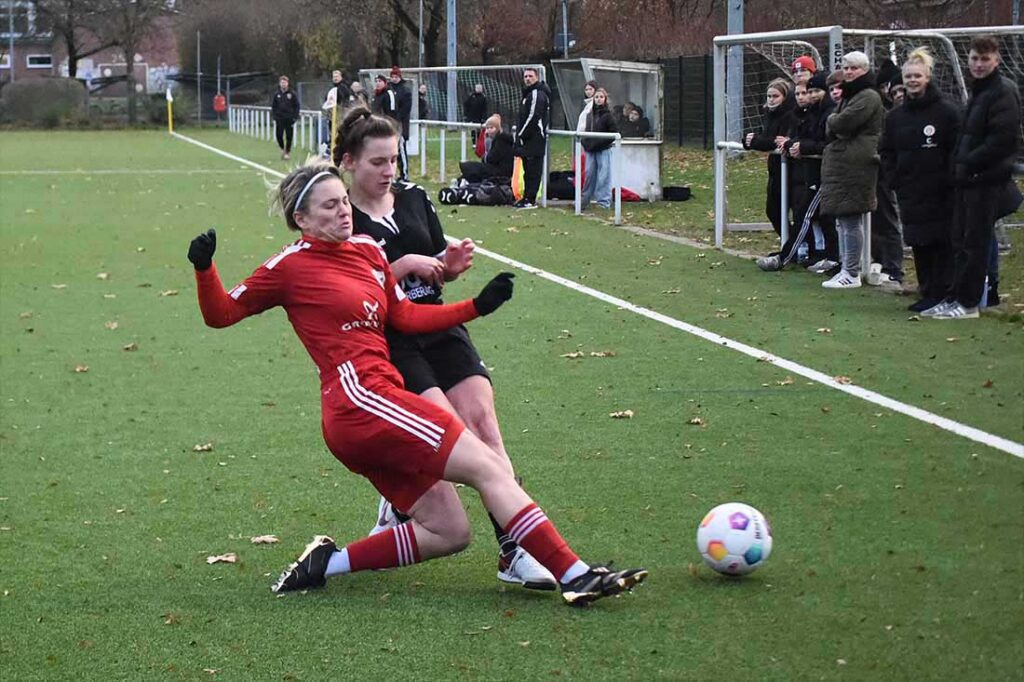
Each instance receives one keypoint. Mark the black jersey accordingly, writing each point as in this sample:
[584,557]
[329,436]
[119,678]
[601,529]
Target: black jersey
[412,227]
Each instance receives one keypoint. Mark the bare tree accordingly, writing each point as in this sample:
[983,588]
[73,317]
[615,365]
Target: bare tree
[75,21]
[125,24]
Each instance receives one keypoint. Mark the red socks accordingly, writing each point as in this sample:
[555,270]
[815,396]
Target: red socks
[532,531]
[394,547]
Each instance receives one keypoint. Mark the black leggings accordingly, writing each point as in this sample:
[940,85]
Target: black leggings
[285,132]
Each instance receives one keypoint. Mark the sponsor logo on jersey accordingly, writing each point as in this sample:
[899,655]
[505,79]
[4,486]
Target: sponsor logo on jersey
[379,276]
[372,320]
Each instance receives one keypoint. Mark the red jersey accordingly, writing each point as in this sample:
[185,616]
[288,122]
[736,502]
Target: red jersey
[339,297]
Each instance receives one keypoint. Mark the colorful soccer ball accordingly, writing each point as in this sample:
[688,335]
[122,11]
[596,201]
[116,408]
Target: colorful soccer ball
[734,538]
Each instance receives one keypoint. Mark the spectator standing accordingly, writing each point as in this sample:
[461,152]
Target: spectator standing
[776,120]
[476,105]
[424,106]
[886,231]
[588,103]
[403,101]
[284,106]
[802,69]
[332,99]
[983,166]
[359,97]
[917,151]
[849,167]
[531,134]
[598,179]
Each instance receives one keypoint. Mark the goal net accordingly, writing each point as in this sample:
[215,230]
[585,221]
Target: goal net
[746,64]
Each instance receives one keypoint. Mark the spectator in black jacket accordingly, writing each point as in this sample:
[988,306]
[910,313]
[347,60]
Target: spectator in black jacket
[635,124]
[813,234]
[886,228]
[917,151]
[776,121]
[597,182]
[423,104]
[532,134]
[496,162]
[403,100]
[284,106]
[475,106]
[983,165]
[385,102]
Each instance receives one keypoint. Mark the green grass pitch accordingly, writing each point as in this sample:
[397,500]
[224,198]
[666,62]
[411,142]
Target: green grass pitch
[898,546]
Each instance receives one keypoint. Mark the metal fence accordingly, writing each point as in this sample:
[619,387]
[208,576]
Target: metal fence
[688,114]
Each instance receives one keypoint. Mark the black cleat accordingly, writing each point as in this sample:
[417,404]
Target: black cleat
[309,569]
[600,581]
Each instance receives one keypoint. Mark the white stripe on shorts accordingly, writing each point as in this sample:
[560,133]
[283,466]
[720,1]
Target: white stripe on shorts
[426,431]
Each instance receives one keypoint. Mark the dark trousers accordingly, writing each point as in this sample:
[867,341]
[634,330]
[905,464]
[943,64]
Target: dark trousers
[773,203]
[806,211]
[478,171]
[533,168]
[886,235]
[285,133]
[973,227]
[934,265]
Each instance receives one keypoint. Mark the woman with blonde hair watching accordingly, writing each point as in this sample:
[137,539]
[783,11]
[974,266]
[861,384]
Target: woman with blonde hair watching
[917,150]
[777,119]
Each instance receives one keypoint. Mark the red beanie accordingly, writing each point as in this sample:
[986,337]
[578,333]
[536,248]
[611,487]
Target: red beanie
[395,71]
[804,62]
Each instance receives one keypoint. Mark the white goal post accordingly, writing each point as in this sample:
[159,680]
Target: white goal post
[744,64]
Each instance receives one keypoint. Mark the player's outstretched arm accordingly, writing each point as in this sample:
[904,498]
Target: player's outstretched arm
[411,318]
[219,309]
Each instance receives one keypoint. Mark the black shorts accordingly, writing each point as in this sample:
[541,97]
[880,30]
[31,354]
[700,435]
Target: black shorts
[441,360]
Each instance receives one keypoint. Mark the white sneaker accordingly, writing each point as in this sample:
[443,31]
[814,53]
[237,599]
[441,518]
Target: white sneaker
[769,263]
[523,569]
[936,309]
[957,311]
[843,280]
[890,284]
[822,266]
[386,517]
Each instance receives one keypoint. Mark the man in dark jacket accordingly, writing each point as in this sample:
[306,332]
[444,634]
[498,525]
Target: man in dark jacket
[886,229]
[475,106]
[403,101]
[983,166]
[284,106]
[531,134]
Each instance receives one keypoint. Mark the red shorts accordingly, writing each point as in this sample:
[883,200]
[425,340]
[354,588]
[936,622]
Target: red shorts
[396,439]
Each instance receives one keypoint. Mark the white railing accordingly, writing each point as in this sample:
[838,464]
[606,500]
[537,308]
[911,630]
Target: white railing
[722,149]
[258,122]
[463,128]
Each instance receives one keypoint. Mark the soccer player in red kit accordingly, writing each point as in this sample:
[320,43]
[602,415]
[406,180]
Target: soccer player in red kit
[339,294]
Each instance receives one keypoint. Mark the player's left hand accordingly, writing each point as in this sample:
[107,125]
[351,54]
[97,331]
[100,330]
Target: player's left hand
[458,258]
[202,248]
[496,292]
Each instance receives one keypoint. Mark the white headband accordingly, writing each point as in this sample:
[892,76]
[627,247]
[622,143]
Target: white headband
[312,181]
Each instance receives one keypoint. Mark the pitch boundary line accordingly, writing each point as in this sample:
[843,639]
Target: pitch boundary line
[971,433]
[123,171]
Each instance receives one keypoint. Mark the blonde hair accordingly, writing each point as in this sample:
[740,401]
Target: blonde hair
[922,56]
[494,121]
[780,84]
[284,197]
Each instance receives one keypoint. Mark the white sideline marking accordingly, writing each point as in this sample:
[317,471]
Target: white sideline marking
[123,171]
[998,442]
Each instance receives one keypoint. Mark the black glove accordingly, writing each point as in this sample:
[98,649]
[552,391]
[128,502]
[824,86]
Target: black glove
[496,292]
[200,251]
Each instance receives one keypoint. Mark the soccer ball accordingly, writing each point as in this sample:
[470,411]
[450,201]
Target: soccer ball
[734,538]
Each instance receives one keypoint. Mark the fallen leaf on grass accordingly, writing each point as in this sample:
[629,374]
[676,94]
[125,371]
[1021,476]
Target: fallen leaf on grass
[671,291]
[525,643]
[697,421]
[202,447]
[842,380]
[131,347]
[81,369]
[785,382]
[170,618]
[24,316]
[59,286]
[228,558]
[111,325]
[824,330]
[691,568]
[952,339]
[574,354]
[264,539]
[513,229]
[212,671]
[169,292]
[825,409]
[565,334]
[602,354]
[988,383]
[109,295]
[914,318]
[103,275]
[655,261]
[623,414]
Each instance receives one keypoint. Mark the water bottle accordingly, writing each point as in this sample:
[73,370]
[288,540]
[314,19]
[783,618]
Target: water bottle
[802,252]
[650,192]
[984,295]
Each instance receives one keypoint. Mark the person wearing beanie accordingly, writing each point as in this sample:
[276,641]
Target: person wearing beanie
[817,82]
[403,114]
[384,101]
[802,69]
